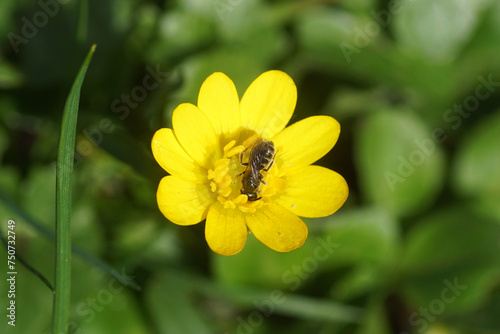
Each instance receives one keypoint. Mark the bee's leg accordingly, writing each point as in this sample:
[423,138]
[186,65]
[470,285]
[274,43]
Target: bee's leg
[241,159]
[242,163]
[269,166]
[272,162]
[261,178]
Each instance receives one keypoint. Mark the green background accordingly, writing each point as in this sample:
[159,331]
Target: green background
[415,87]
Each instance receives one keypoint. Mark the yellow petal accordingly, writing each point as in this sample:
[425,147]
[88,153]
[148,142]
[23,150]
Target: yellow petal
[268,104]
[225,230]
[182,202]
[313,191]
[306,141]
[196,135]
[219,100]
[277,228]
[172,157]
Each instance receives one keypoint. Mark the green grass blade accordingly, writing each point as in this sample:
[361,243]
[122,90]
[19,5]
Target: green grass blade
[65,158]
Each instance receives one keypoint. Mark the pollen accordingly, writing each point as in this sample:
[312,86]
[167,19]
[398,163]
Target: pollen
[227,173]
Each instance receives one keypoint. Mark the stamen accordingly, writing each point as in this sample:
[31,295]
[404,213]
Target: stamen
[229,205]
[225,182]
[241,199]
[247,209]
[249,141]
[229,145]
[225,192]
[221,168]
[235,150]
[221,163]
[221,199]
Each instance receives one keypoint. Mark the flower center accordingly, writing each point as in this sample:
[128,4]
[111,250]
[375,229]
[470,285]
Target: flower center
[228,173]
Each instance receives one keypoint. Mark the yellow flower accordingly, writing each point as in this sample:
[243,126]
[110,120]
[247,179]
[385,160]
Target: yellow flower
[202,155]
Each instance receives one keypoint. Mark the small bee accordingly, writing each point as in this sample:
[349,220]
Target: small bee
[261,158]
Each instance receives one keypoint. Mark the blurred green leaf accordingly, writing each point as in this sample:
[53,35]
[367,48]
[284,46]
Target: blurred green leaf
[236,22]
[180,33]
[9,181]
[238,64]
[85,228]
[269,301]
[83,22]
[41,180]
[111,311]
[476,167]
[124,12]
[146,241]
[147,17]
[436,30]
[451,258]
[171,310]
[359,5]
[4,141]
[363,279]
[486,206]
[103,303]
[400,165]
[125,148]
[257,265]
[206,8]
[12,208]
[357,47]
[375,321]
[337,40]
[362,235]
[367,235]
[483,52]
[347,102]
[232,18]
[9,76]
[7,8]
[484,319]
[316,309]
[31,297]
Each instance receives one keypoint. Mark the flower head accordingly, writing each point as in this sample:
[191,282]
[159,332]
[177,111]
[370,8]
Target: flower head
[235,164]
